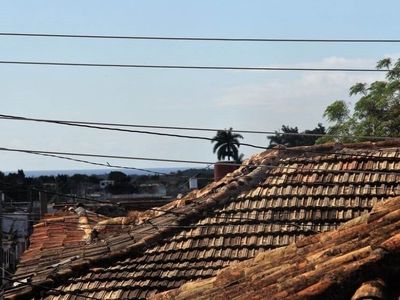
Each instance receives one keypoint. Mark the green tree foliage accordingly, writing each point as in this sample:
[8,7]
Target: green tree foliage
[122,184]
[375,113]
[118,176]
[227,145]
[14,185]
[290,138]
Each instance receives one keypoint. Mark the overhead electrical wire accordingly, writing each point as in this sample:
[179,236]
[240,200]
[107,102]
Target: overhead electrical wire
[287,166]
[35,152]
[61,155]
[104,156]
[55,155]
[81,124]
[227,218]
[258,220]
[51,290]
[103,164]
[75,197]
[108,165]
[180,213]
[263,132]
[250,221]
[377,188]
[193,38]
[219,217]
[187,67]
[95,125]
[71,196]
[292,183]
[21,188]
[51,154]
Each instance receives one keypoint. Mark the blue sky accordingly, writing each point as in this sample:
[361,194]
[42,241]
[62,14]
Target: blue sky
[223,99]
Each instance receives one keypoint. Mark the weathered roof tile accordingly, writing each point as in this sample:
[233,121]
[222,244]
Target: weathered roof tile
[289,196]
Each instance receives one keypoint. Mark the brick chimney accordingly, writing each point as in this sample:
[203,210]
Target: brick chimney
[222,168]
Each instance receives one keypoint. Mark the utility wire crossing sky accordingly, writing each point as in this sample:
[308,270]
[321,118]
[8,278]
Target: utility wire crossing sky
[226,68]
[214,130]
[204,39]
[133,63]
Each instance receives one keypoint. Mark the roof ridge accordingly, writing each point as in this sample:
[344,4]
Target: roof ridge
[340,146]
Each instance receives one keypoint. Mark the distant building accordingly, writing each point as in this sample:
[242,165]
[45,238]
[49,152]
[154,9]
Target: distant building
[16,226]
[193,183]
[16,230]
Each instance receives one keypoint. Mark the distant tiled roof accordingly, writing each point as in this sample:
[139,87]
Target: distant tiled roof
[56,233]
[275,198]
[359,260]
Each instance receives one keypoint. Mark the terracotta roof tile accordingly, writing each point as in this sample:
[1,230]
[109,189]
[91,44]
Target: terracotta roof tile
[330,265]
[54,233]
[276,198]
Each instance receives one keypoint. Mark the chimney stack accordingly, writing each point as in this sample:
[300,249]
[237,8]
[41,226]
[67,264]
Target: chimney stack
[223,168]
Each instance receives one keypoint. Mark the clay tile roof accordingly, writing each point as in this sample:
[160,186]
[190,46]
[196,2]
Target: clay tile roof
[55,233]
[274,199]
[359,260]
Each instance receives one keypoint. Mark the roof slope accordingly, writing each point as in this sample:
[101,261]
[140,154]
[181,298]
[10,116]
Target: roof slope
[330,265]
[277,197]
[56,233]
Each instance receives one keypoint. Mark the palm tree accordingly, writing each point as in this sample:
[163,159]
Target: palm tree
[227,144]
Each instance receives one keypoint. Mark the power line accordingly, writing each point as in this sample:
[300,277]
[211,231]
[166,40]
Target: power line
[55,193]
[213,163]
[191,38]
[251,221]
[108,165]
[57,292]
[89,125]
[189,67]
[102,164]
[107,156]
[264,132]
[75,197]
[352,187]
[217,217]
[81,124]
[55,154]
[281,214]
